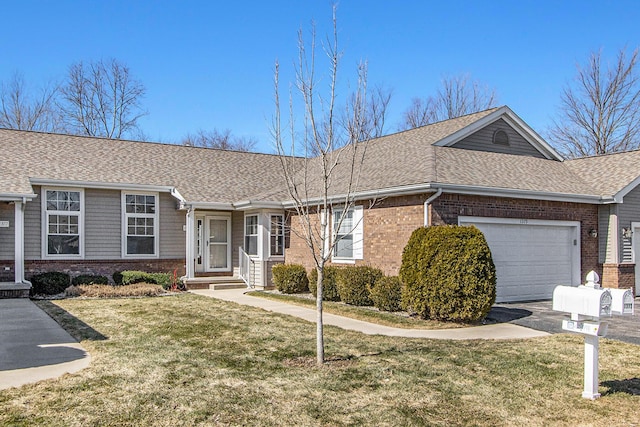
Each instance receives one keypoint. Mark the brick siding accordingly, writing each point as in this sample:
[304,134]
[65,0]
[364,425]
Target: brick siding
[619,276]
[390,222]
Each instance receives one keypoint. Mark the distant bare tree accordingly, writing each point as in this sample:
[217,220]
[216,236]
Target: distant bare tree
[101,98]
[600,112]
[374,116]
[223,140]
[22,110]
[458,96]
[323,180]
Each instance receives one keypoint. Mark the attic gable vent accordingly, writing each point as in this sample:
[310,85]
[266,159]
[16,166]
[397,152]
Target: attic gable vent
[500,137]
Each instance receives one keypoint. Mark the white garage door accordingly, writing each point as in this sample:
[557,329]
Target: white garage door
[531,257]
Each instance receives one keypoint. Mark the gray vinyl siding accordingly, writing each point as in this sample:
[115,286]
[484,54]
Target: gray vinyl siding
[482,140]
[172,228]
[628,212]
[237,237]
[102,224]
[32,227]
[7,235]
[605,228]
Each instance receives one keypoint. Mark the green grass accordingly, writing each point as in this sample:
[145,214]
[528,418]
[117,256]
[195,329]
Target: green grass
[190,360]
[368,314]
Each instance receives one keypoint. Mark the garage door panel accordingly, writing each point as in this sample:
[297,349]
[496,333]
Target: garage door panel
[530,259]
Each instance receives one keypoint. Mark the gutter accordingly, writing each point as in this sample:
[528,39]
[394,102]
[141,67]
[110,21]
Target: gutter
[427,203]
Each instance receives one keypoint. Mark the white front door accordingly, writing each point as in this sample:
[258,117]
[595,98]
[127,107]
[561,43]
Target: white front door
[217,248]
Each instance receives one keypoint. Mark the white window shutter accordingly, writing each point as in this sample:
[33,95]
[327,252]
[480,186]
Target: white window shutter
[358,232]
[326,245]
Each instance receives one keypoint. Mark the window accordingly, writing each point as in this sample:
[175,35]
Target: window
[63,223]
[140,224]
[251,234]
[276,236]
[348,234]
[500,137]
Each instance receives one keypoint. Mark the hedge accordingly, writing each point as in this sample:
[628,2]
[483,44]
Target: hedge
[448,274]
[290,278]
[89,279]
[386,293]
[131,276]
[50,283]
[353,283]
[329,289]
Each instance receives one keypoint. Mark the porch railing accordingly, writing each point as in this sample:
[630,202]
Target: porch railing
[247,269]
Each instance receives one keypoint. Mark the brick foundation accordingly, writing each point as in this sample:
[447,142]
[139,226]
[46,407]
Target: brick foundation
[621,276]
[102,267]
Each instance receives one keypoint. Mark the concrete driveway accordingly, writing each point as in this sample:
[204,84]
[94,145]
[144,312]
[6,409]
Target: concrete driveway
[33,347]
[539,315]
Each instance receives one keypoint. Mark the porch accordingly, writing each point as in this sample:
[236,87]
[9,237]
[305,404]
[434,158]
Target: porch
[232,249]
[14,290]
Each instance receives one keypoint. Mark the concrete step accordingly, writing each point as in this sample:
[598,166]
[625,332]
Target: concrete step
[14,290]
[216,283]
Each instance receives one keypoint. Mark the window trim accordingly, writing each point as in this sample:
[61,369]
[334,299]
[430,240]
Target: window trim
[156,223]
[45,223]
[357,231]
[282,233]
[257,235]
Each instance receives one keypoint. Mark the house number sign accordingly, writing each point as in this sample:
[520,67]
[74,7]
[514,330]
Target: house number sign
[4,224]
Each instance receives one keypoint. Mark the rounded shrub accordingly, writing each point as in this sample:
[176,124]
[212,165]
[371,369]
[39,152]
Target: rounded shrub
[89,279]
[386,293]
[448,274]
[329,289]
[290,278]
[50,283]
[353,283]
[117,277]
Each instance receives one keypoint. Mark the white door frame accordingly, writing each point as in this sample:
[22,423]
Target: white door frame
[207,244]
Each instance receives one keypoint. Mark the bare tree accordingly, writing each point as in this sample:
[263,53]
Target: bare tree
[222,140]
[600,112]
[374,116]
[318,184]
[22,110]
[458,95]
[101,98]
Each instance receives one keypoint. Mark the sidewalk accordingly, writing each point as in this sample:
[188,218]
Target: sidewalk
[33,347]
[498,331]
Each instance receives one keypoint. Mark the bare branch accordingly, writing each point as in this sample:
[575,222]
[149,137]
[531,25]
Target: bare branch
[101,99]
[600,111]
[22,110]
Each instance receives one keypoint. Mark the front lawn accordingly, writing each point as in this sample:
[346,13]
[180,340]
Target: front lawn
[191,360]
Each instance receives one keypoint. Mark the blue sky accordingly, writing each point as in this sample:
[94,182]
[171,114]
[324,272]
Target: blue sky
[209,64]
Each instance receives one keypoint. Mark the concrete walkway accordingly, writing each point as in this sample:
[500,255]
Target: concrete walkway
[496,332]
[33,347]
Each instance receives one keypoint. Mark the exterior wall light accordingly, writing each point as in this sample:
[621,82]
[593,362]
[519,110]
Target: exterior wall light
[593,233]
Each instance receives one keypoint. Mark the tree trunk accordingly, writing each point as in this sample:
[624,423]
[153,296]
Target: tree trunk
[319,324]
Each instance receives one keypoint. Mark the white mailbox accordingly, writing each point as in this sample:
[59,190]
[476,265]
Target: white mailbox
[582,301]
[622,301]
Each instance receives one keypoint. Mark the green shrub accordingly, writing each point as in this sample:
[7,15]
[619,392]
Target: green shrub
[353,283]
[386,293]
[131,276]
[50,283]
[117,277]
[290,278]
[89,279]
[448,274]
[329,289]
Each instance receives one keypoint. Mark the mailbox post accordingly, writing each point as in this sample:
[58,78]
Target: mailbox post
[587,304]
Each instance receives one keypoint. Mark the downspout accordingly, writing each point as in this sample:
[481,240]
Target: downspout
[427,203]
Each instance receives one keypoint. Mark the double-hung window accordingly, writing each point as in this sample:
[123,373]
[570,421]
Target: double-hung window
[276,236]
[347,232]
[62,217]
[140,220]
[251,234]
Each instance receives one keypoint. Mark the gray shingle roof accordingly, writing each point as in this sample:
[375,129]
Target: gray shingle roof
[199,174]
[403,159]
